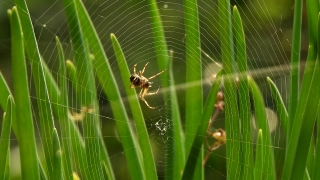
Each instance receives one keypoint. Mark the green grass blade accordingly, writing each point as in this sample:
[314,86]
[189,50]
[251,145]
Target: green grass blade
[258,167]
[300,137]
[5,139]
[87,91]
[63,115]
[312,7]
[316,167]
[262,121]
[176,142]
[295,66]
[27,144]
[281,108]
[57,151]
[143,136]
[244,99]
[43,101]
[192,158]
[5,92]
[231,109]
[194,99]
[109,85]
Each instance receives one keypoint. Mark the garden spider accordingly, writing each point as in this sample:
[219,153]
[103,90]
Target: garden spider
[137,80]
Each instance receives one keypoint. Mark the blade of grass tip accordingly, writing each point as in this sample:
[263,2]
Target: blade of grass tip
[244,99]
[87,89]
[177,151]
[5,92]
[43,101]
[295,66]
[57,162]
[302,129]
[27,144]
[258,167]
[194,99]
[262,121]
[281,108]
[143,136]
[316,167]
[110,87]
[5,138]
[63,115]
[232,121]
[196,148]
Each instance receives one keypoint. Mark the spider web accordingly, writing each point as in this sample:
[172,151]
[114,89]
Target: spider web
[268,32]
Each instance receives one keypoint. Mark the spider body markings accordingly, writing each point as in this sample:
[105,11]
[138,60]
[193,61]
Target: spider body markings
[138,80]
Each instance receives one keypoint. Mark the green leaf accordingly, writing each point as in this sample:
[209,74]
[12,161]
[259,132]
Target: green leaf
[57,162]
[258,167]
[316,167]
[244,99]
[26,138]
[300,137]
[295,66]
[232,120]
[281,108]
[262,121]
[194,99]
[5,139]
[110,87]
[143,136]
[193,156]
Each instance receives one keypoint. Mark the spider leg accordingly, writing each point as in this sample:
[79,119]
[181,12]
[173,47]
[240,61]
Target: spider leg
[134,68]
[140,94]
[144,68]
[153,92]
[156,74]
[142,97]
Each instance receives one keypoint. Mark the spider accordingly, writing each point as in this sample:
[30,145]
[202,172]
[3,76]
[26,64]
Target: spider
[137,80]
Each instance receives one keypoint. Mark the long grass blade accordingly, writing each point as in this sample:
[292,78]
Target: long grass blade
[196,148]
[269,171]
[300,137]
[194,99]
[316,167]
[258,167]
[26,138]
[109,85]
[231,110]
[295,66]
[143,136]
[244,99]
[57,160]
[5,139]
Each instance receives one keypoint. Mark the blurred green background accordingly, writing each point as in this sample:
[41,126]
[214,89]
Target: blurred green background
[268,29]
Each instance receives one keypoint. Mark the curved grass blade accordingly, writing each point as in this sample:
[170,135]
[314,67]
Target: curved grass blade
[26,138]
[300,137]
[109,85]
[5,139]
[316,167]
[281,108]
[312,7]
[193,156]
[194,99]
[57,151]
[5,92]
[262,121]
[258,167]
[244,99]
[143,136]
[295,66]
[232,121]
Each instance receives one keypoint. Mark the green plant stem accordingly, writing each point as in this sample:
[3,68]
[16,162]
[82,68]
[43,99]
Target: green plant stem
[27,144]
[258,168]
[295,66]
[5,139]
[231,110]
[57,163]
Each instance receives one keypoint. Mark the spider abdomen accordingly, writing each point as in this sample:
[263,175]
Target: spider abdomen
[135,80]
